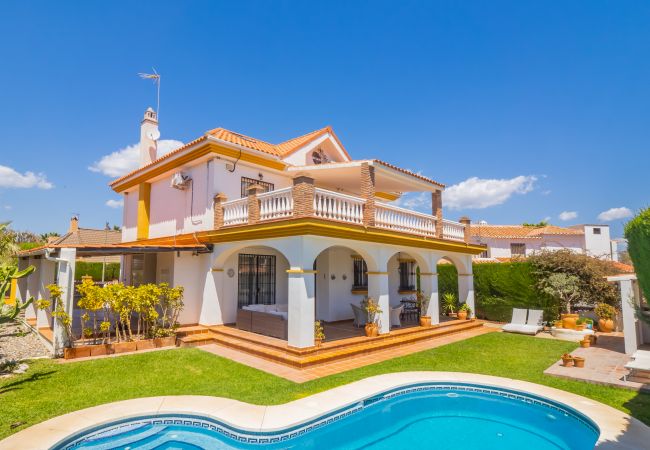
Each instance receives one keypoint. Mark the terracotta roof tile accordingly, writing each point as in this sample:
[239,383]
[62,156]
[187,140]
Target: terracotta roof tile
[520,231]
[89,236]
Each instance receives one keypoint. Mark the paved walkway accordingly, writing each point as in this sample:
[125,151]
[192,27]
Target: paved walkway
[604,364]
[330,368]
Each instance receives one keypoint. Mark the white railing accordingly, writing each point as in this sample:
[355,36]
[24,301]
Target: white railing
[400,219]
[453,230]
[235,212]
[276,204]
[336,206]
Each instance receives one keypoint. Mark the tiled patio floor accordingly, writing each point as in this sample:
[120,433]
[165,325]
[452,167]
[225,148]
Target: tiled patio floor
[604,364]
[322,370]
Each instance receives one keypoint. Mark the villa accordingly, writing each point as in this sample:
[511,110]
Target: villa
[272,237]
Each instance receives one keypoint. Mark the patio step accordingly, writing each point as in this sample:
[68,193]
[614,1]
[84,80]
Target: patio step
[640,376]
[277,350]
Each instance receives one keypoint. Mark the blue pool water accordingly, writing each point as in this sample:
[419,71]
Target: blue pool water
[443,416]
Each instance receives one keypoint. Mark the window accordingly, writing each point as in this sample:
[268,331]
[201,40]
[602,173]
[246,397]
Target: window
[319,157]
[407,275]
[596,230]
[360,274]
[248,182]
[256,280]
[483,254]
[518,249]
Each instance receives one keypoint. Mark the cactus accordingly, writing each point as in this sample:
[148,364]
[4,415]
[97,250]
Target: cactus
[7,274]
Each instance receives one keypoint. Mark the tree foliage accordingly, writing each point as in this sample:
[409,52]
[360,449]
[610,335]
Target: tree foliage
[637,233]
[564,287]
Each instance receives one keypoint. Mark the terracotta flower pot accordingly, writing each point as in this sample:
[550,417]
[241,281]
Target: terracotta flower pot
[606,325]
[585,343]
[558,324]
[569,321]
[101,349]
[372,330]
[145,344]
[567,361]
[580,326]
[124,347]
[578,361]
[76,352]
[425,321]
[168,341]
[462,315]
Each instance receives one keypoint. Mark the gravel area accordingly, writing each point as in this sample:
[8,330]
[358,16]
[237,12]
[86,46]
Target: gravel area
[18,342]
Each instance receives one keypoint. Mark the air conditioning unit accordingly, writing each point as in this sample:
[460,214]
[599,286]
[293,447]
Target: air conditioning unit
[180,181]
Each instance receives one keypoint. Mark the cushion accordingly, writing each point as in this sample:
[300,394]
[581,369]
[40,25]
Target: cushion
[260,308]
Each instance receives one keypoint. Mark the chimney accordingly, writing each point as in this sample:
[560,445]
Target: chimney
[149,135]
[74,224]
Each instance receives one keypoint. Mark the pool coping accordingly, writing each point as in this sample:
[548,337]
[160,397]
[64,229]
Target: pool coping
[617,429]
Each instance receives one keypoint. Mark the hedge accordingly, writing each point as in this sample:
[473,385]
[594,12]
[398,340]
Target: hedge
[94,269]
[637,233]
[499,287]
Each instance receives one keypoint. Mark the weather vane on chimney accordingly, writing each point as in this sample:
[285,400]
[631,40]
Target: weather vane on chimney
[155,77]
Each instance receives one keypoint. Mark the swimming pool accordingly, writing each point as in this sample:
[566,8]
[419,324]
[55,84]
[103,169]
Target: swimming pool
[444,416]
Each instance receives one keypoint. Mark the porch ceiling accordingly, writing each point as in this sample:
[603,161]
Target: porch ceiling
[84,251]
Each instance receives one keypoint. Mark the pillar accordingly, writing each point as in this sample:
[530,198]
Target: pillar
[302,309]
[254,203]
[32,289]
[65,275]
[466,290]
[628,310]
[436,211]
[368,193]
[303,197]
[22,292]
[378,291]
[468,232]
[144,207]
[218,201]
[429,286]
[212,297]
[45,274]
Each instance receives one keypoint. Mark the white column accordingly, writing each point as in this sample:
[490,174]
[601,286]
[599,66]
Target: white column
[466,290]
[302,312]
[65,276]
[31,288]
[378,290]
[429,285]
[45,274]
[628,301]
[212,298]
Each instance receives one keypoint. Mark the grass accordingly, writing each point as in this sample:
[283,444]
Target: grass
[49,388]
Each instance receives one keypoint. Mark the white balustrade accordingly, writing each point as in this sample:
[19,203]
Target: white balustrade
[400,219]
[336,206]
[235,212]
[276,204]
[453,230]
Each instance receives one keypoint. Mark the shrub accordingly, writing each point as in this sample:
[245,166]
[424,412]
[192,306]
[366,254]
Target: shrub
[605,311]
[565,288]
[637,233]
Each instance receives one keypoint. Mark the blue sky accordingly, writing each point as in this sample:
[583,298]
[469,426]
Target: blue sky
[525,109]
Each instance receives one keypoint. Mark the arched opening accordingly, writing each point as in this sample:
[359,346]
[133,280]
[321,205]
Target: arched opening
[255,290]
[453,286]
[341,283]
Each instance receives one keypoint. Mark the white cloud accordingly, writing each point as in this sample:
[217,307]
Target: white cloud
[546,219]
[615,214]
[9,178]
[481,193]
[126,159]
[568,215]
[115,203]
[7,207]
[416,201]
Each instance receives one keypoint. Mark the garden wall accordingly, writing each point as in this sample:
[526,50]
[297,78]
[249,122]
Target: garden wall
[499,287]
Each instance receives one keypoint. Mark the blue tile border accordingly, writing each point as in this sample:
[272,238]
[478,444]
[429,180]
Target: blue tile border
[253,437]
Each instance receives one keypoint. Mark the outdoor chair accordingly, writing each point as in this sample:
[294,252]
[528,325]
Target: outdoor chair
[360,316]
[639,366]
[395,314]
[519,324]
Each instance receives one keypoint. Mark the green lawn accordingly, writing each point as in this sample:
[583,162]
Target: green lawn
[50,389]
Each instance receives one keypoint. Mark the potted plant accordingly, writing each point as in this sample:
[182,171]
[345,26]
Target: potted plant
[373,310]
[586,342]
[578,361]
[567,360]
[464,311]
[449,304]
[319,333]
[581,324]
[423,305]
[557,324]
[606,314]
[566,289]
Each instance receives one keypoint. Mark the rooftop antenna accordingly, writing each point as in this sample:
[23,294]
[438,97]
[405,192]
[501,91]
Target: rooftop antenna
[155,77]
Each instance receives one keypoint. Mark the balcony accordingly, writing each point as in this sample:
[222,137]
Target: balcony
[304,200]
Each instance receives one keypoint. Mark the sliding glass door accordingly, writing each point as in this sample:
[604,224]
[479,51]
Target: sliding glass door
[256,280]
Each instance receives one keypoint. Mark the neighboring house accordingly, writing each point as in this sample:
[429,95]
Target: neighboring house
[78,237]
[297,229]
[511,241]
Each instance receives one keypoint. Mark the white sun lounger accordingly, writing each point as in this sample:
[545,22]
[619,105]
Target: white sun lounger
[639,365]
[519,323]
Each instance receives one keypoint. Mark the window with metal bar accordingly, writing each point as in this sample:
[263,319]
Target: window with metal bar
[248,182]
[407,274]
[360,273]
[256,280]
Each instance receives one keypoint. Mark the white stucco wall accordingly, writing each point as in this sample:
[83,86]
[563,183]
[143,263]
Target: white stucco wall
[303,156]
[500,248]
[598,245]
[191,272]
[130,216]
[229,183]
